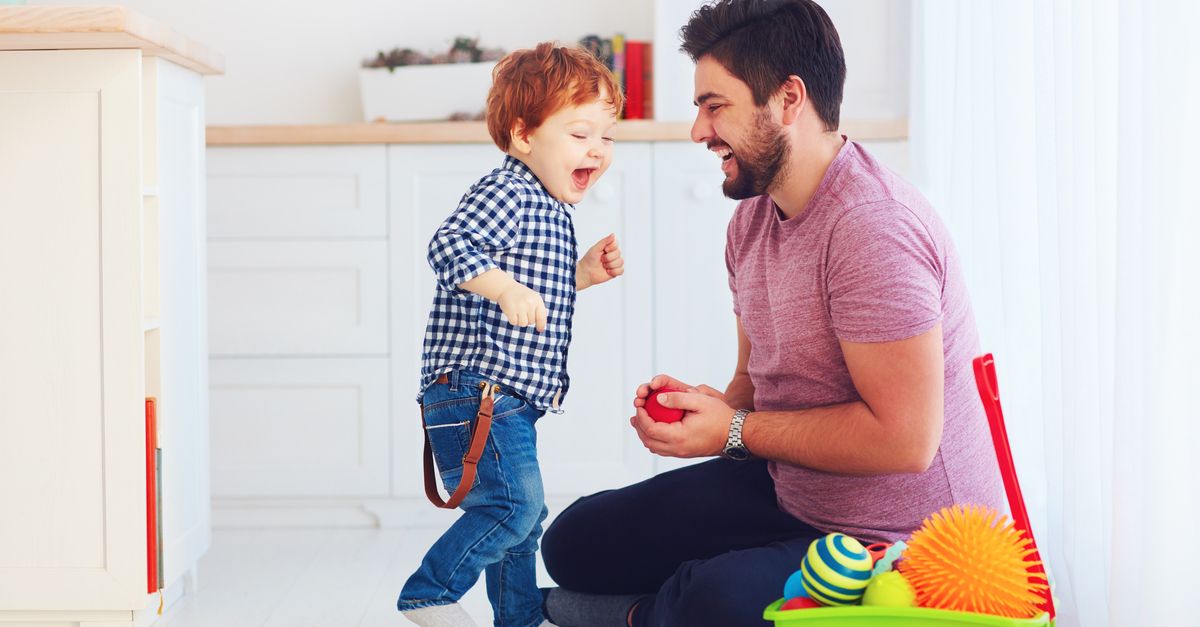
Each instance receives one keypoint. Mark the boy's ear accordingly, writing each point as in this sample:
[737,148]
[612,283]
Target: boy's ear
[520,139]
[793,96]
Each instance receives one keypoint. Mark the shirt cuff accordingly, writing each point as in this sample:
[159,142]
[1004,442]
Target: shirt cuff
[465,267]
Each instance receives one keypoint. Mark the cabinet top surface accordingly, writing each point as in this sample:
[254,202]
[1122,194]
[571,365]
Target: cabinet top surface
[476,132]
[103,27]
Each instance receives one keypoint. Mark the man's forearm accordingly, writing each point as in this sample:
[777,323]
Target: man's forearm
[846,438]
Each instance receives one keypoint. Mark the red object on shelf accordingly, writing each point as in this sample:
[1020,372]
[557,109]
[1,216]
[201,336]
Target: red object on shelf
[634,80]
[989,392]
[660,413]
[151,496]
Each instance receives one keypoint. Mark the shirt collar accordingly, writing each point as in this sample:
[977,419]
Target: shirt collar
[513,164]
[518,167]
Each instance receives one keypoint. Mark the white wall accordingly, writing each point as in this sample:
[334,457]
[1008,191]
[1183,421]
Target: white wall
[875,40]
[296,62]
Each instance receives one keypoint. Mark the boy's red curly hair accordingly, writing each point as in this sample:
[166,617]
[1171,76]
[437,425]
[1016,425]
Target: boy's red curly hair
[531,85]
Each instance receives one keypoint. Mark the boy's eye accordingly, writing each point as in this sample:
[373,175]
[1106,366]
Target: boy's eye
[578,136]
[607,139]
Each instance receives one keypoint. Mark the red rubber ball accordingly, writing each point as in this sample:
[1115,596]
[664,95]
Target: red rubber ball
[660,413]
[799,603]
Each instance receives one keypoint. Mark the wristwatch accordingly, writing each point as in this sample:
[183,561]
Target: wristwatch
[734,448]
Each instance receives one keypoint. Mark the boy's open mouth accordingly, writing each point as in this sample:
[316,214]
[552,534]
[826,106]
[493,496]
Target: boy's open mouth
[581,177]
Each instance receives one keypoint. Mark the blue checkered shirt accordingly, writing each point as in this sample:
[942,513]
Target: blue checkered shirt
[506,220]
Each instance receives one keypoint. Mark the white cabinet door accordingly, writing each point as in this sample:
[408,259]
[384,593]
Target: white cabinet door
[289,192]
[299,427]
[695,331]
[590,447]
[298,298]
[177,114]
[72,444]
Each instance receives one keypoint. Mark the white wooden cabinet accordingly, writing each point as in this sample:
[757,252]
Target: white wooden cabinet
[102,298]
[308,428]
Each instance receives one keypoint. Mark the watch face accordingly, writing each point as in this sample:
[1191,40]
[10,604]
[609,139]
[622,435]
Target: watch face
[737,453]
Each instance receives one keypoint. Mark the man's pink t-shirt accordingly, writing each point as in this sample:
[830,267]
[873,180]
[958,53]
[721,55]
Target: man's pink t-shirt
[867,261]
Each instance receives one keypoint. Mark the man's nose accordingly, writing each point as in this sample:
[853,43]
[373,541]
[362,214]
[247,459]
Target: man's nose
[701,129]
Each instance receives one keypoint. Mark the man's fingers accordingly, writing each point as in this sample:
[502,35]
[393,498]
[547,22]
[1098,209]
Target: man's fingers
[709,391]
[687,401]
[664,381]
[654,435]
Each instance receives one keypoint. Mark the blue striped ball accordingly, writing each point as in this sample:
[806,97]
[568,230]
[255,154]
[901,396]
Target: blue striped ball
[836,570]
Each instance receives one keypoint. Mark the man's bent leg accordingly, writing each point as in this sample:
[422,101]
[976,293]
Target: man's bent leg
[632,540]
[724,591]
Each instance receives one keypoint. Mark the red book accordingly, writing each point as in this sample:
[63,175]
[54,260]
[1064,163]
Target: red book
[634,80]
[648,81]
[151,495]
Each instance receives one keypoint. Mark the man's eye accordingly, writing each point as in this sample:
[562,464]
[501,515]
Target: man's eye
[712,108]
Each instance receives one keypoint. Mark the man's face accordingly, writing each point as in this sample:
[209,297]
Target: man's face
[751,145]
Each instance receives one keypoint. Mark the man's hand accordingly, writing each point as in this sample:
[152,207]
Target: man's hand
[523,307]
[703,430]
[602,262]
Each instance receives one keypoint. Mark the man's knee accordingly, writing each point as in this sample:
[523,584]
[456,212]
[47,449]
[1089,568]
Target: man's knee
[565,545]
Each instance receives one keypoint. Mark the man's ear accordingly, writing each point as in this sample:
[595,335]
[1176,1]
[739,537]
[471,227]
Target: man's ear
[793,98]
[519,138]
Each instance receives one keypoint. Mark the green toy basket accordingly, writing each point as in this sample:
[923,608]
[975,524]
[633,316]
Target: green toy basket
[862,616]
[877,616]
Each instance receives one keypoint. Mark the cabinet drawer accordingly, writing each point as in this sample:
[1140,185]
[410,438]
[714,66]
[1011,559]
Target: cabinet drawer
[297,298]
[297,192]
[299,427]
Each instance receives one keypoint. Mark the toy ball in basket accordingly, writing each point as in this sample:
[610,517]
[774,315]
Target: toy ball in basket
[964,566]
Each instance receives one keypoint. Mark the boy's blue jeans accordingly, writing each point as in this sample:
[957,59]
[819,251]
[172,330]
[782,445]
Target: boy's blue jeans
[502,515]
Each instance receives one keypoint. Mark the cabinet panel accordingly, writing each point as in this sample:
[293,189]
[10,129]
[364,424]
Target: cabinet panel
[299,427]
[591,447]
[178,135]
[297,192]
[72,470]
[298,298]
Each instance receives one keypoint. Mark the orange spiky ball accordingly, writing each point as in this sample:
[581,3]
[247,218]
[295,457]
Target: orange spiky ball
[972,559]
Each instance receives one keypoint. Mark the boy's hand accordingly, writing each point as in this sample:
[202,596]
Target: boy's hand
[602,262]
[522,306]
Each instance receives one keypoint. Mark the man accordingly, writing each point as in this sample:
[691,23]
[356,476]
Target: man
[852,406]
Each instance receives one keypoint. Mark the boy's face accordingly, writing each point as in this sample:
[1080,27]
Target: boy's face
[749,141]
[571,149]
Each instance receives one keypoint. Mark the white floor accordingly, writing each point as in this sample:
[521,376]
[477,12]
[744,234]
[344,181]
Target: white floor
[303,577]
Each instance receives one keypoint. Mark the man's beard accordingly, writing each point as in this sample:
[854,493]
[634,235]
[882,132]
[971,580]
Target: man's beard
[764,160]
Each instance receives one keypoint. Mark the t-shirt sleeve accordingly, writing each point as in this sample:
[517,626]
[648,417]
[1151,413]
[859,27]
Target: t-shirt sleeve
[885,275]
[486,224]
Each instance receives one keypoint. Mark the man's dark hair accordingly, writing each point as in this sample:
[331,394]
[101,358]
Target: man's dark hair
[762,42]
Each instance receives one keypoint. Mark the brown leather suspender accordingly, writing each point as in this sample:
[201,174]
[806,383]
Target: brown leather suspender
[483,425]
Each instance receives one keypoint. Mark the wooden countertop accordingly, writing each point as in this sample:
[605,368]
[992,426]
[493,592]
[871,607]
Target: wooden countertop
[91,27]
[476,133]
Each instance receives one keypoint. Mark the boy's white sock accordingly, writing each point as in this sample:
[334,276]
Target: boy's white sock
[452,615]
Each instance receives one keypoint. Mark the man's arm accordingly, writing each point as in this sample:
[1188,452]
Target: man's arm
[740,391]
[896,427]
